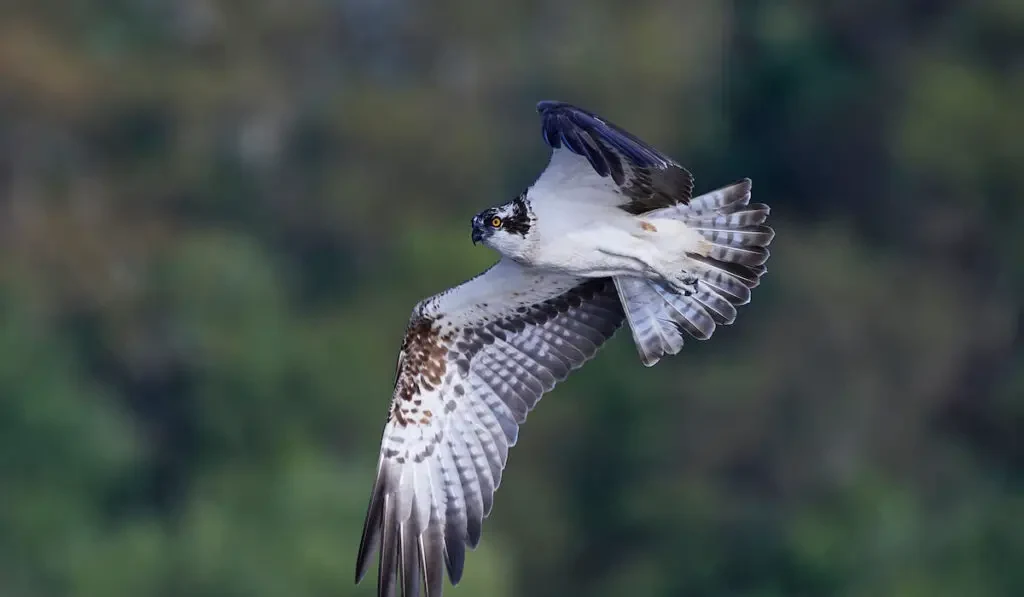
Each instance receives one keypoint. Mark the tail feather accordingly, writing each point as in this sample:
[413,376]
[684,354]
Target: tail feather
[738,240]
[650,319]
[746,256]
[719,200]
[719,307]
[757,235]
[750,216]
[661,318]
[726,283]
[687,312]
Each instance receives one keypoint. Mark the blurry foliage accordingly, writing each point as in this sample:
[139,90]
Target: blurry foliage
[216,215]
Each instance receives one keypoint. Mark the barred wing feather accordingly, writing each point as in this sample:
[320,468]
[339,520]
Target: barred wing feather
[474,362]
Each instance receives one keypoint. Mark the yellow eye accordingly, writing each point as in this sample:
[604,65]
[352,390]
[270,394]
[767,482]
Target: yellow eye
[496,222]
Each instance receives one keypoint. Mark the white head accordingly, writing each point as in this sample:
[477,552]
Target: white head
[505,228]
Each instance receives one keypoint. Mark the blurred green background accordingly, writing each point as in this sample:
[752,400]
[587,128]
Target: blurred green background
[216,215]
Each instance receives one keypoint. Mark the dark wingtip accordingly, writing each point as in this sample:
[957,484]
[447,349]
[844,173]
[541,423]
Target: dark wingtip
[370,540]
[550,105]
[565,123]
[454,554]
[545,105]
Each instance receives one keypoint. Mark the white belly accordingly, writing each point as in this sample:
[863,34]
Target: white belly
[620,245]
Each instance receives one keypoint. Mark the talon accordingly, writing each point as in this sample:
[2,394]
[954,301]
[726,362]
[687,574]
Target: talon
[690,285]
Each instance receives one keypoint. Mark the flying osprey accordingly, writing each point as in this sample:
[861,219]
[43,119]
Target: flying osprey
[608,233]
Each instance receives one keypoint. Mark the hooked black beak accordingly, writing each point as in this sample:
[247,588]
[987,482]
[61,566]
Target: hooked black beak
[478,229]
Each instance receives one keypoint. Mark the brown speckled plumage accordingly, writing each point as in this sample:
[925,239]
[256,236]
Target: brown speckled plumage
[422,359]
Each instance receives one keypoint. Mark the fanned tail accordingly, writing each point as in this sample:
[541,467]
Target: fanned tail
[738,240]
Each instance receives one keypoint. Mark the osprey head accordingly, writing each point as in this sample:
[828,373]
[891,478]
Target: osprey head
[504,228]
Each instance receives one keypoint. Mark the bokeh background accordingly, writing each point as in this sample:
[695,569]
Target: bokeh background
[216,215]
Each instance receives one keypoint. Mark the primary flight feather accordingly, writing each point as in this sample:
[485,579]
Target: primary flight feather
[608,233]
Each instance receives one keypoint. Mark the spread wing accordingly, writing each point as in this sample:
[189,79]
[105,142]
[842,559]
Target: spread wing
[475,360]
[594,160]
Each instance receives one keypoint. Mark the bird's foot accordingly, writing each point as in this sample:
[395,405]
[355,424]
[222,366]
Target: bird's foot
[685,283]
